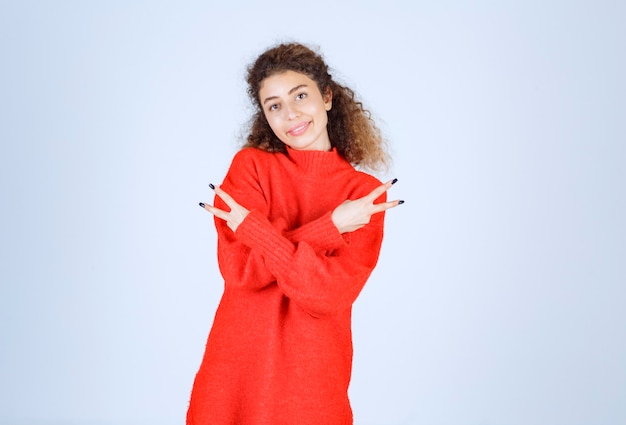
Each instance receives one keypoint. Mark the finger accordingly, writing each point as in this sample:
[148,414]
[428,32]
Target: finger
[216,211]
[384,206]
[225,197]
[374,194]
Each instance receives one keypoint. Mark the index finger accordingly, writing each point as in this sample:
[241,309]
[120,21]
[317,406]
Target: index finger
[225,197]
[374,194]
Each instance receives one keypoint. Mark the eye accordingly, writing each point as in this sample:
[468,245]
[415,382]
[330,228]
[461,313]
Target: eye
[300,96]
[273,107]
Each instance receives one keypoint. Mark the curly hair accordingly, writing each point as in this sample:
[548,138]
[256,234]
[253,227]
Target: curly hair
[351,128]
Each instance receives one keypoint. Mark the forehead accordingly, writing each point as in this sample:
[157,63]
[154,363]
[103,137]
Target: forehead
[281,83]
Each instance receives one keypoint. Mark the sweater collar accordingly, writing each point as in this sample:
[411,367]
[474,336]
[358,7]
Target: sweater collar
[317,162]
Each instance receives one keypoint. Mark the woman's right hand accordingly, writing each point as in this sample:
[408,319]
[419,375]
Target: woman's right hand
[234,217]
[352,215]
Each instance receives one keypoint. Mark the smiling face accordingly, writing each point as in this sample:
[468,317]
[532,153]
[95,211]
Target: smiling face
[296,110]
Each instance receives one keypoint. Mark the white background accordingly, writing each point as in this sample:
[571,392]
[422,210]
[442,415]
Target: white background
[499,296]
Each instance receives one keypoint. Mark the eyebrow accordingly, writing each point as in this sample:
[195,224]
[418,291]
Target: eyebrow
[290,91]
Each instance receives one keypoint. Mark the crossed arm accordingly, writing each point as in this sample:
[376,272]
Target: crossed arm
[313,265]
[351,215]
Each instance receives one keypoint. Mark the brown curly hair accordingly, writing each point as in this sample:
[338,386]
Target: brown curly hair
[350,126]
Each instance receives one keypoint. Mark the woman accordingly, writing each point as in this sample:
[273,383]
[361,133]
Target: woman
[299,232]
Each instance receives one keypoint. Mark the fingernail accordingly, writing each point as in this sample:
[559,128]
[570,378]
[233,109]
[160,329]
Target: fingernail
[394,181]
[400,202]
[211,186]
[201,204]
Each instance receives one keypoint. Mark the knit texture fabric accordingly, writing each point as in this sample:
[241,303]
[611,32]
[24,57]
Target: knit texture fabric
[280,348]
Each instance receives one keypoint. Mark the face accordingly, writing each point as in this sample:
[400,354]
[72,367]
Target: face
[296,110]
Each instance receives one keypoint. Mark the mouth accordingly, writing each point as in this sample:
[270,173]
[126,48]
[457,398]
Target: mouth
[299,128]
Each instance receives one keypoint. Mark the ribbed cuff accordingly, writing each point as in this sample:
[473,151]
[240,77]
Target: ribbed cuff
[320,234]
[257,232]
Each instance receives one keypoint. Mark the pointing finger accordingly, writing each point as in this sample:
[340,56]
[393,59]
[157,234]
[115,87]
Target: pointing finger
[225,196]
[374,194]
[215,211]
[383,206]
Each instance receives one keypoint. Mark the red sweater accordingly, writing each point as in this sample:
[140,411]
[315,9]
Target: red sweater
[280,349]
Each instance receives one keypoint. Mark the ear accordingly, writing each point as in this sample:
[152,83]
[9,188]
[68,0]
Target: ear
[328,99]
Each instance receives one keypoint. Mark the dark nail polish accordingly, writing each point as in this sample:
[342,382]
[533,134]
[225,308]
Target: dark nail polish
[394,181]
[201,204]
[211,186]
[400,202]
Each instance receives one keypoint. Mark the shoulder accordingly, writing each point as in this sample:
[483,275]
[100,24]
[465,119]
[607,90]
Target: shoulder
[253,157]
[365,181]
[368,178]
[249,155]
[361,184]
[251,167]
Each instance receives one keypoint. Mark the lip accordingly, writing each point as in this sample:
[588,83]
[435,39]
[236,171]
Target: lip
[299,128]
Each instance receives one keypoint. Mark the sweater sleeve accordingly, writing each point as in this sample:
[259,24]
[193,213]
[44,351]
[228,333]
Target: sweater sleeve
[320,234]
[245,267]
[320,284]
[240,266]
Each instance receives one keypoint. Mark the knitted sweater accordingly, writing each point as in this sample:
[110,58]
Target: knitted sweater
[280,349]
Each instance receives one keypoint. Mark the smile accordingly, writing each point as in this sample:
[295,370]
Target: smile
[299,128]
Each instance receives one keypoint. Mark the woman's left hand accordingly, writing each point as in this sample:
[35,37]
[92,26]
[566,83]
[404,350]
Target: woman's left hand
[234,217]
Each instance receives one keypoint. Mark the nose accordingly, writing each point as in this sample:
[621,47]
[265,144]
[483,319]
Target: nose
[292,112]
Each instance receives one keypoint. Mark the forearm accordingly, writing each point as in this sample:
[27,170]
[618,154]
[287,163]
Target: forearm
[320,234]
[320,284]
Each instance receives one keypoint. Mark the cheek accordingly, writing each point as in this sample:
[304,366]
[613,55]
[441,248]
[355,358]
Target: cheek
[275,125]
[273,122]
